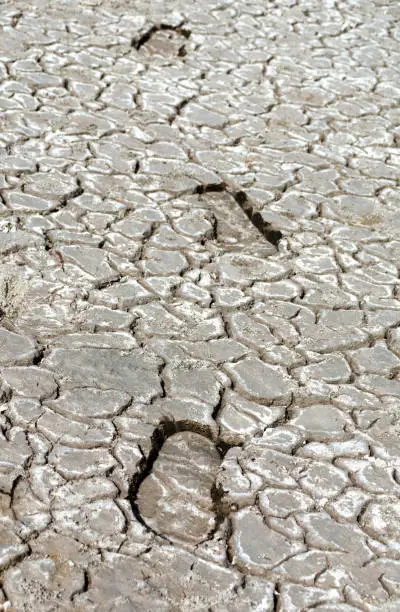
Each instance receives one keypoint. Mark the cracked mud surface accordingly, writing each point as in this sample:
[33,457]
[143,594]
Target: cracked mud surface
[199,306]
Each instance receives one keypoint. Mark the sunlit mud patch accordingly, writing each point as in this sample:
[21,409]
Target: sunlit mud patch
[175,499]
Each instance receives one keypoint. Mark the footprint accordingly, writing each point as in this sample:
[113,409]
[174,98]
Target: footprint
[175,499]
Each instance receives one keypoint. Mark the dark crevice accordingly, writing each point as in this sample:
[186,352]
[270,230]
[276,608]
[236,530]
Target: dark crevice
[48,244]
[221,511]
[218,187]
[180,29]
[85,586]
[276,596]
[182,51]
[63,201]
[178,109]
[267,230]
[39,356]
[224,447]
[144,38]
[15,19]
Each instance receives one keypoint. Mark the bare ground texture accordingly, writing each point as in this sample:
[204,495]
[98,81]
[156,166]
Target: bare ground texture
[199,306]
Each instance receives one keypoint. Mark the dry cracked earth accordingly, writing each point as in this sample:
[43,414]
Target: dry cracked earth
[199,305]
